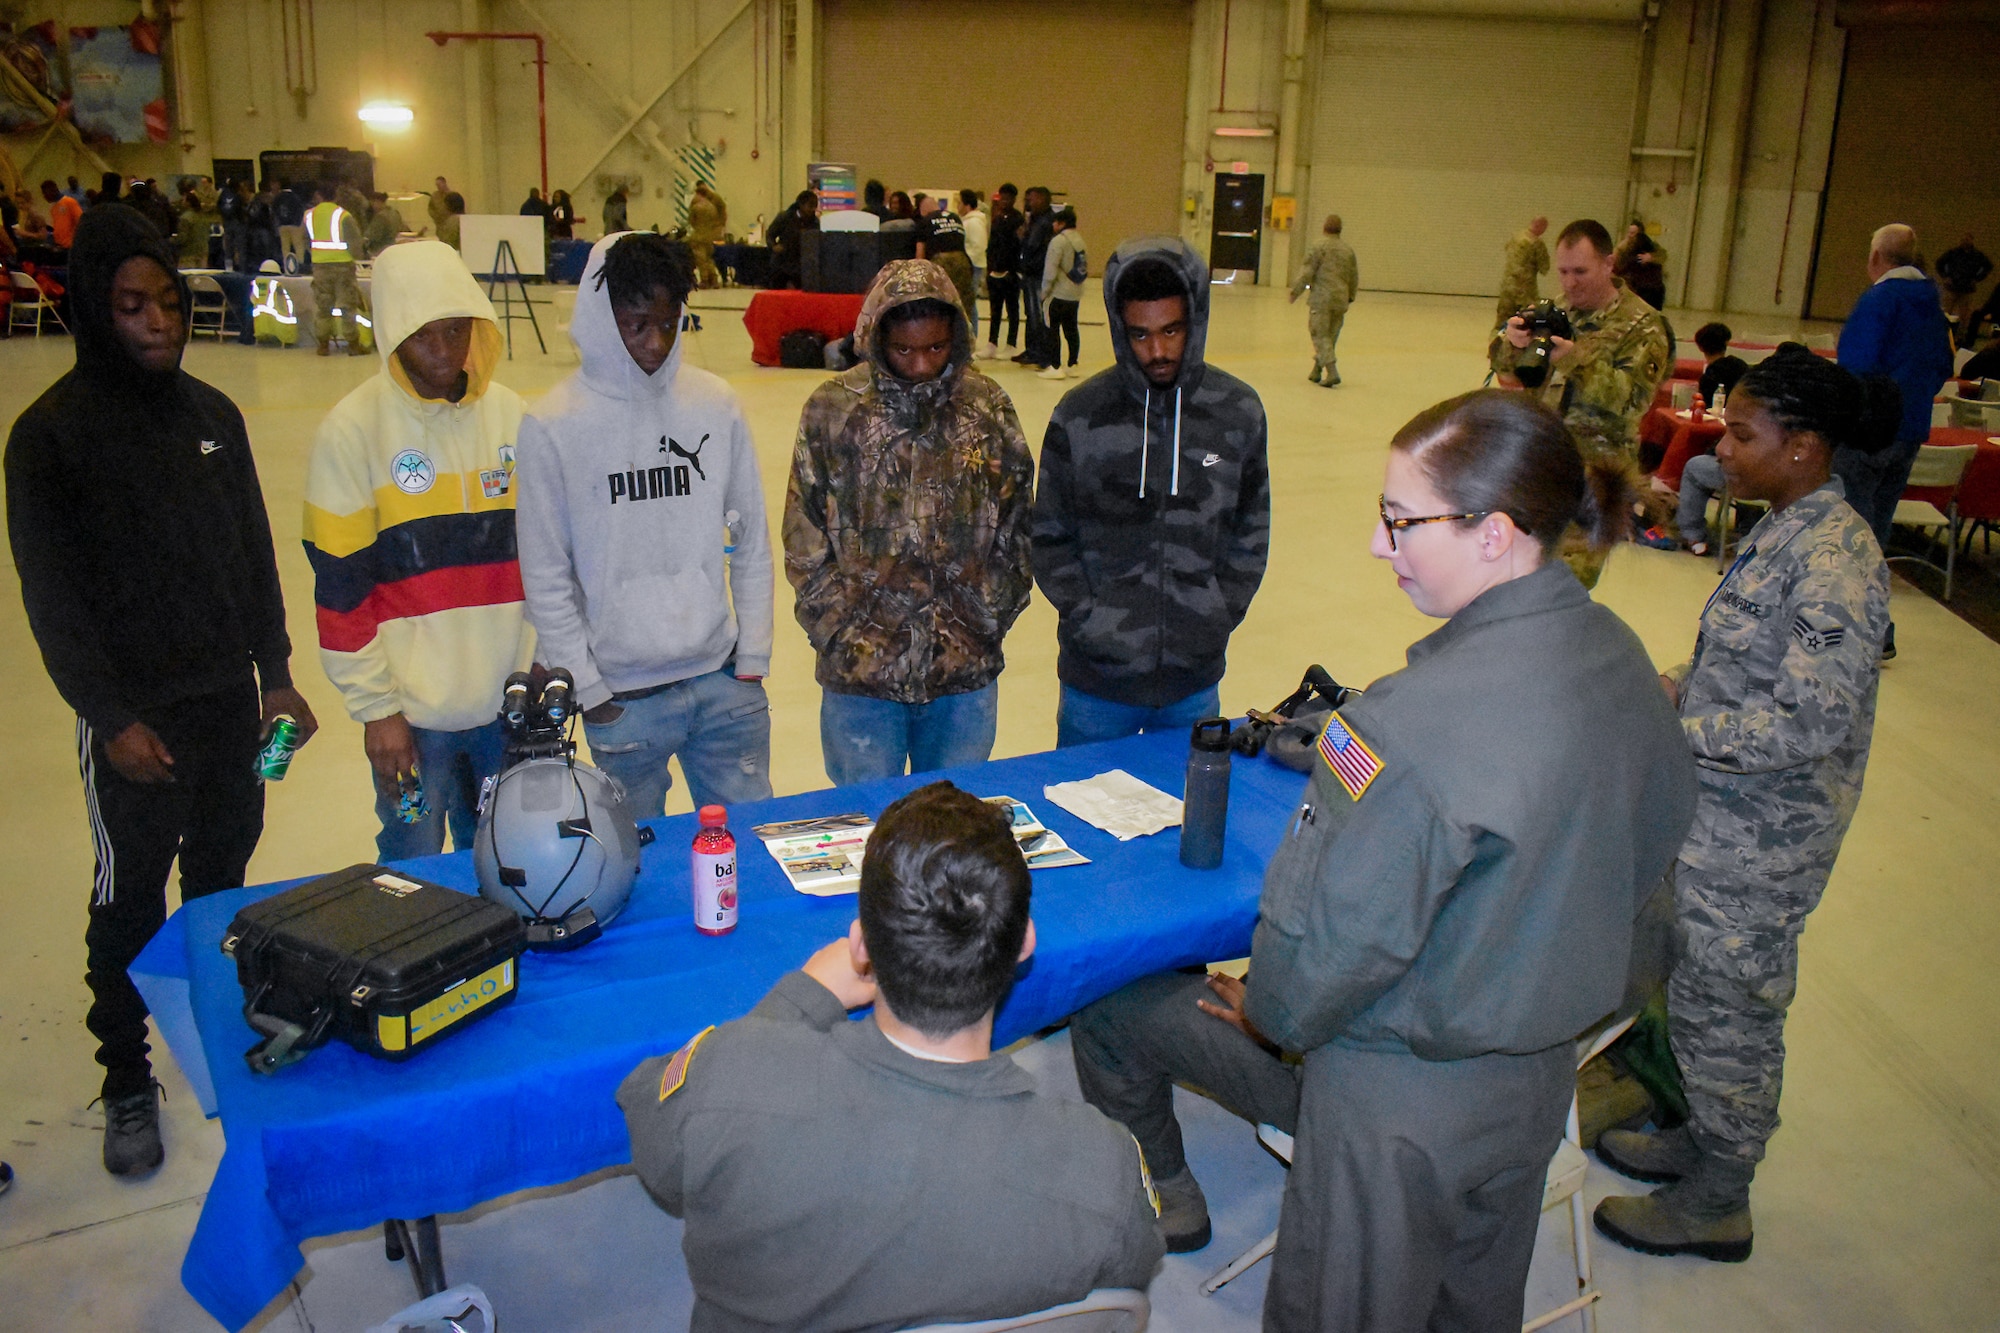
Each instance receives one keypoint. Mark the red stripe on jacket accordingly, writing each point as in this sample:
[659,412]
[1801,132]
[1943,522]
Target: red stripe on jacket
[419,595]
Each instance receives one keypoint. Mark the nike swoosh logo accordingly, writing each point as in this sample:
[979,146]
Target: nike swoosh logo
[209,446]
[1211,460]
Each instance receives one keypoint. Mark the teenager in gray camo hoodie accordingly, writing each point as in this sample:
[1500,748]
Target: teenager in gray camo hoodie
[1153,511]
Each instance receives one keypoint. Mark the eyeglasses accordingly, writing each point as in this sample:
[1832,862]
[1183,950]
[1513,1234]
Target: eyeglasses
[1395,525]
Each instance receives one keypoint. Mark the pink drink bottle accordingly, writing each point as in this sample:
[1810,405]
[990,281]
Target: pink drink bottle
[714,873]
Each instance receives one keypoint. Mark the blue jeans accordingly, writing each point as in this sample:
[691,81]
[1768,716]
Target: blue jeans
[861,739]
[719,726]
[452,765]
[1082,718]
[1700,479]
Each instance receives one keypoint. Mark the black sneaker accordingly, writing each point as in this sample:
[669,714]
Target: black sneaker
[1889,644]
[132,1132]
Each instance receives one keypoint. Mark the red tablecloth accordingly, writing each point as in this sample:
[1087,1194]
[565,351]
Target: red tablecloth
[771,315]
[1688,438]
[1979,492]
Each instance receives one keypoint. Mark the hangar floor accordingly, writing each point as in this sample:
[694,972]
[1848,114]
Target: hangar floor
[1874,1210]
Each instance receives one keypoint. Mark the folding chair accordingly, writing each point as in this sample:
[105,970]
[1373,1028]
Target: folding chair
[1564,1181]
[1939,467]
[29,302]
[1106,1310]
[211,306]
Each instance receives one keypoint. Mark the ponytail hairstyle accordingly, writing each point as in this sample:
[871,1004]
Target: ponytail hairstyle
[1493,451]
[1808,394]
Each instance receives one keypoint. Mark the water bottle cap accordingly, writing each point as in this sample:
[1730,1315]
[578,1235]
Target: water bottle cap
[1212,734]
[714,816]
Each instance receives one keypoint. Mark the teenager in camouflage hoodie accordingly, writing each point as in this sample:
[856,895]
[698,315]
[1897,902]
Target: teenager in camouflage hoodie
[906,536]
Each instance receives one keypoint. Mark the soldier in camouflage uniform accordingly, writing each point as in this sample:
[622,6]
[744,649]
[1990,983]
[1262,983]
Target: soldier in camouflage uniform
[906,536]
[1778,705]
[1603,380]
[1329,271]
[1520,275]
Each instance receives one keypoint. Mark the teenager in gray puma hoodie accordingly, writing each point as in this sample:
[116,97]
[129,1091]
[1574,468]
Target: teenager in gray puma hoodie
[628,480]
[1153,512]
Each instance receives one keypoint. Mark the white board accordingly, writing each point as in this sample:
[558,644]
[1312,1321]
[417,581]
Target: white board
[480,234]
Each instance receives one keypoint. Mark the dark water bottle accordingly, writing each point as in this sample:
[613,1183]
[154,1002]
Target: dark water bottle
[1205,809]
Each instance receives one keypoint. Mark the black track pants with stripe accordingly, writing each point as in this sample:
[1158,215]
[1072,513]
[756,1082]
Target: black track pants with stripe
[210,816]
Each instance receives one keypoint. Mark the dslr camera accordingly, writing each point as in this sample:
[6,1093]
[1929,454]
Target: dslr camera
[1544,320]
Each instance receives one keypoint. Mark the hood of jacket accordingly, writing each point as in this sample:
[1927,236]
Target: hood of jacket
[608,367]
[900,282]
[107,236]
[420,281]
[1194,277]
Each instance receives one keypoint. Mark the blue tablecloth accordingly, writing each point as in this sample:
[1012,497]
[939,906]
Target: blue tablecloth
[524,1098]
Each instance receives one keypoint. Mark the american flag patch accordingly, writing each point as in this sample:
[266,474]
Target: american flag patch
[676,1071]
[1352,762]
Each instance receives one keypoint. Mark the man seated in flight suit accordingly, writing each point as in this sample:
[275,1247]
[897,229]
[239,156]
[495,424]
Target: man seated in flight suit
[893,1171]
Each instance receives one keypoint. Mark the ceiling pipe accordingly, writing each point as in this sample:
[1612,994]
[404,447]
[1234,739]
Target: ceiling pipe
[541,80]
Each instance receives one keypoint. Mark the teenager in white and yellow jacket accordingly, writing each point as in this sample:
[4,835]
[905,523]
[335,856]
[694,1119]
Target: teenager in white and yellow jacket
[409,525]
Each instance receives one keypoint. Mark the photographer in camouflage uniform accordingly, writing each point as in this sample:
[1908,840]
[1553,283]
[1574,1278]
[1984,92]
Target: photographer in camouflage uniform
[1778,705]
[1603,379]
[906,535]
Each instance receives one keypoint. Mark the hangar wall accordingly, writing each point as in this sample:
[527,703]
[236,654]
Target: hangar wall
[1436,126]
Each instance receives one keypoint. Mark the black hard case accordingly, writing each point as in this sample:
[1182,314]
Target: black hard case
[356,953]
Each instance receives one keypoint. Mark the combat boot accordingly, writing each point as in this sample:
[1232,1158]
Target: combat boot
[1657,1159]
[1183,1212]
[1706,1213]
[132,1132]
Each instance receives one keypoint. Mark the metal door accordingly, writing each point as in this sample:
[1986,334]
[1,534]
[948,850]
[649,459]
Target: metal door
[1237,238]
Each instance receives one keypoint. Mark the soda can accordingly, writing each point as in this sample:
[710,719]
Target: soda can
[276,756]
[411,807]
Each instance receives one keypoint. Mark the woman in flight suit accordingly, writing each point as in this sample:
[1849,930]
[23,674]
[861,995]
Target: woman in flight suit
[1778,704]
[1452,906]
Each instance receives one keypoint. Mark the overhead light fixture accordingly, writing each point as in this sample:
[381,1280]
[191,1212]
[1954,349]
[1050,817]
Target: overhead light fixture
[391,115]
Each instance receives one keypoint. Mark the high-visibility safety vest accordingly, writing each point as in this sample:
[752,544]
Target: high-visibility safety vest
[326,228]
[272,317]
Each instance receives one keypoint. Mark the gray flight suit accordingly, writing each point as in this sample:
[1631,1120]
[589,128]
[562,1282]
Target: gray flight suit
[1432,946]
[1329,271]
[1778,704]
[831,1180]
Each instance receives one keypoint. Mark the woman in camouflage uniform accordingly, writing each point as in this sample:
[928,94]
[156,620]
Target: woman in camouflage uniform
[1778,705]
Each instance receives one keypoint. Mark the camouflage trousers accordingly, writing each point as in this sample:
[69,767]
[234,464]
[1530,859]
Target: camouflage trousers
[705,272]
[1324,325]
[1727,997]
[334,289]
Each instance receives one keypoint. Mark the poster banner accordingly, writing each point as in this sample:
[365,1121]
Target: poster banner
[120,97]
[33,54]
[835,183]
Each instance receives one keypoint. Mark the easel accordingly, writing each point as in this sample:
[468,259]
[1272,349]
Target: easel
[506,275]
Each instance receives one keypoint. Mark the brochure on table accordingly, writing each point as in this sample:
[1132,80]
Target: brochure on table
[822,856]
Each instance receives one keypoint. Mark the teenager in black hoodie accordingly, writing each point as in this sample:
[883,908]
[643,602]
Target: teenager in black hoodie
[146,565]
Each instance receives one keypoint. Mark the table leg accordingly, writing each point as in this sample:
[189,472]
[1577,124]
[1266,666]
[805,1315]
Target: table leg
[431,1255]
[417,1244]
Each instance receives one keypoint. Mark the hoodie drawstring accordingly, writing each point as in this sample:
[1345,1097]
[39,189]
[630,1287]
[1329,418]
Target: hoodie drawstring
[1145,441]
[1145,426]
